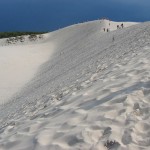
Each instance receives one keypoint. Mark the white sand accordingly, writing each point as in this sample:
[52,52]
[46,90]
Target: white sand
[91,91]
[18,65]
[111,25]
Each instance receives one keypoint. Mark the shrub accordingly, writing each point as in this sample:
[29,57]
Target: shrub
[15,34]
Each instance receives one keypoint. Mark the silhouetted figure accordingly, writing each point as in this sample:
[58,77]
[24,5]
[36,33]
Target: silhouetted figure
[117,26]
[104,29]
[122,25]
[113,39]
[107,30]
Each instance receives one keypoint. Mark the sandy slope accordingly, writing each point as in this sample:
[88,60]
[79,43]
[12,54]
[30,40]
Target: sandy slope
[23,59]
[18,65]
[93,89]
[114,105]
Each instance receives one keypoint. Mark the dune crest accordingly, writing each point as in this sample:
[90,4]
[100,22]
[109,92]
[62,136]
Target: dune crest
[92,92]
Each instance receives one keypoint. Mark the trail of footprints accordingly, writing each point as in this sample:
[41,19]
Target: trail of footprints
[113,114]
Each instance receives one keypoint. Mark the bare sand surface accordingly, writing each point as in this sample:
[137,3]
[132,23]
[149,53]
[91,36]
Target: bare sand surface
[92,94]
[18,65]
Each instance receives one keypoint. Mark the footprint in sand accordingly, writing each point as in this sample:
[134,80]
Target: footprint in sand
[126,138]
[107,131]
[136,106]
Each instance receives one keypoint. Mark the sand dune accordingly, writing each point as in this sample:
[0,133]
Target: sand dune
[18,65]
[92,93]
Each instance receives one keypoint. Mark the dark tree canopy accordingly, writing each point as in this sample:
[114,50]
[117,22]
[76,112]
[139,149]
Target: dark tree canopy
[15,34]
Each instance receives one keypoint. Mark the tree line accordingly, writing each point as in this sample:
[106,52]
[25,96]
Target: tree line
[15,34]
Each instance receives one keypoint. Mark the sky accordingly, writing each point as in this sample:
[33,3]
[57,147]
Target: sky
[49,15]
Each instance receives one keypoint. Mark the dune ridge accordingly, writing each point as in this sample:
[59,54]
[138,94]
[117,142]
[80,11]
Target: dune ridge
[93,93]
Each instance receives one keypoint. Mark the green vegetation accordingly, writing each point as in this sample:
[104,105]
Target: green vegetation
[15,34]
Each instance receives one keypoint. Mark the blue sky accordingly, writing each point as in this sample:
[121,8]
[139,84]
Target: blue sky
[49,15]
